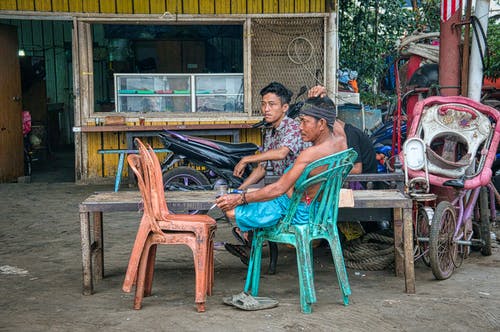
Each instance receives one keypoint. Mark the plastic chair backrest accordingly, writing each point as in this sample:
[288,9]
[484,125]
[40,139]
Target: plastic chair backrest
[324,205]
[146,167]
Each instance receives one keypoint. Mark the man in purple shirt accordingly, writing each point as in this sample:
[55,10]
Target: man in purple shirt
[282,142]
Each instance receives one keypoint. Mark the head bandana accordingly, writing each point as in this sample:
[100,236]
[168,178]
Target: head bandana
[328,113]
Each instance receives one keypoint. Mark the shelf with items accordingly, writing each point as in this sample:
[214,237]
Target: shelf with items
[174,93]
[146,93]
[219,93]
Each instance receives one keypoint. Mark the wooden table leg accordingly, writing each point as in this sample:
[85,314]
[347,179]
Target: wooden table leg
[98,247]
[88,287]
[398,242]
[408,251]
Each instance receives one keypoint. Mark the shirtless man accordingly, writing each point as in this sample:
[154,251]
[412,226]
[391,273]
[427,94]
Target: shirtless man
[265,207]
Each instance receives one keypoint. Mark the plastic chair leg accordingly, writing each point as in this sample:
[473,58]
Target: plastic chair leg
[201,263]
[254,266]
[304,266]
[210,266]
[135,256]
[141,275]
[150,269]
[338,260]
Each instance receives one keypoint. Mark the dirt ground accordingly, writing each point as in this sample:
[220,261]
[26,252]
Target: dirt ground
[40,281]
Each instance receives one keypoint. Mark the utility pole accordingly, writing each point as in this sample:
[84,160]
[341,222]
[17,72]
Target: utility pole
[449,48]
[478,49]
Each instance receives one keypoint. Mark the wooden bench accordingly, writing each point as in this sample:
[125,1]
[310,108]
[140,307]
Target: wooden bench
[93,207]
[394,180]
[121,160]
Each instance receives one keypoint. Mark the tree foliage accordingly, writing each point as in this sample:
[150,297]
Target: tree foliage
[493,71]
[369,31]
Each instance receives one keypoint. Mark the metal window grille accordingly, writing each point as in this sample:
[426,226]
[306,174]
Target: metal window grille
[286,50]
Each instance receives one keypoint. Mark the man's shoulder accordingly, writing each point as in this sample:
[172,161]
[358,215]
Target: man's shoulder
[289,124]
[353,130]
[350,127]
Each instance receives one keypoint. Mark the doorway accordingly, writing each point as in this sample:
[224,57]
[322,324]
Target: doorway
[52,159]
[43,53]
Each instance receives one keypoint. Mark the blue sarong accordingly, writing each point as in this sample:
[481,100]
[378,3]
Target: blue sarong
[268,213]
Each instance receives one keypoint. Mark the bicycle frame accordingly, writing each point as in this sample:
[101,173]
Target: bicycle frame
[466,210]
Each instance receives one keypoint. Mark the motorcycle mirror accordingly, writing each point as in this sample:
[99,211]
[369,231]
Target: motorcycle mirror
[302,90]
[259,124]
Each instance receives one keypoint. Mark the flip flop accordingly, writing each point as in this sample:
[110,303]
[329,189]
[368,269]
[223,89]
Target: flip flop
[239,251]
[250,303]
[229,300]
[237,234]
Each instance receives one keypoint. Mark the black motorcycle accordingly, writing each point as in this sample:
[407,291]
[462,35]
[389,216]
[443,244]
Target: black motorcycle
[201,162]
[198,163]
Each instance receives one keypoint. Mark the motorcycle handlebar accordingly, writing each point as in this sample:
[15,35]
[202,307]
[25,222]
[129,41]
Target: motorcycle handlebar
[259,124]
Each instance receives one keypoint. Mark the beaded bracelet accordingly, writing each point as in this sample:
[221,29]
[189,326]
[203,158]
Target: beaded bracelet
[243,198]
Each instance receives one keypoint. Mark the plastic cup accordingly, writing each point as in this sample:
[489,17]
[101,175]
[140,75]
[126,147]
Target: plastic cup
[220,189]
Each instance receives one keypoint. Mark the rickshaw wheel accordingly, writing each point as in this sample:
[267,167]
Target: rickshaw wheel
[422,230]
[442,248]
[485,227]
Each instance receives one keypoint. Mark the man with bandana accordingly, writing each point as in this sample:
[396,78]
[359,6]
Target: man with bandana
[265,207]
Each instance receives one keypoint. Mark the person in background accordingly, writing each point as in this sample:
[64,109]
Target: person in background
[356,139]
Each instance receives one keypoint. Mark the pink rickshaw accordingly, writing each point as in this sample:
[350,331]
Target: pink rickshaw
[452,143]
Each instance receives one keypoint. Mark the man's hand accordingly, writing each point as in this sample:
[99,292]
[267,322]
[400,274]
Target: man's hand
[239,169]
[317,91]
[228,202]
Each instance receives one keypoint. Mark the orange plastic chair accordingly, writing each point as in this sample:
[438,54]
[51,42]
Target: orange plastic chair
[159,226]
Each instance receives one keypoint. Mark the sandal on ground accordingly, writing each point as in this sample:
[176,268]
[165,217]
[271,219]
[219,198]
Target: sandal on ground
[238,234]
[244,238]
[250,303]
[229,300]
[238,250]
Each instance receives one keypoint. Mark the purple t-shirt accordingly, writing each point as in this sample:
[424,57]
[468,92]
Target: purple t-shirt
[287,134]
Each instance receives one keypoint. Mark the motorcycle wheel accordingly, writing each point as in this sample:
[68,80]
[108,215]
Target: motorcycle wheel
[185,178]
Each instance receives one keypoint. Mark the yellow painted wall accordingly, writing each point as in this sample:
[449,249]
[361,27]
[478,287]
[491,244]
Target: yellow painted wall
[172,6]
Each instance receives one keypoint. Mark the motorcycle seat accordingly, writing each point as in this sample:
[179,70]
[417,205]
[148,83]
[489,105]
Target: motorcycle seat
[237,147]
[226,147]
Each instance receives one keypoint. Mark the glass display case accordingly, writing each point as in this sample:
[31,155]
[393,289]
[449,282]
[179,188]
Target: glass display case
[179,93]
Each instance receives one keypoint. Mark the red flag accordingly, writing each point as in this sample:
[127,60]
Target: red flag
[448,8]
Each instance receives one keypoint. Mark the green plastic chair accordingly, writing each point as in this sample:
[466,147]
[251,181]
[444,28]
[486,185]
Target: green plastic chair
[322,225]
